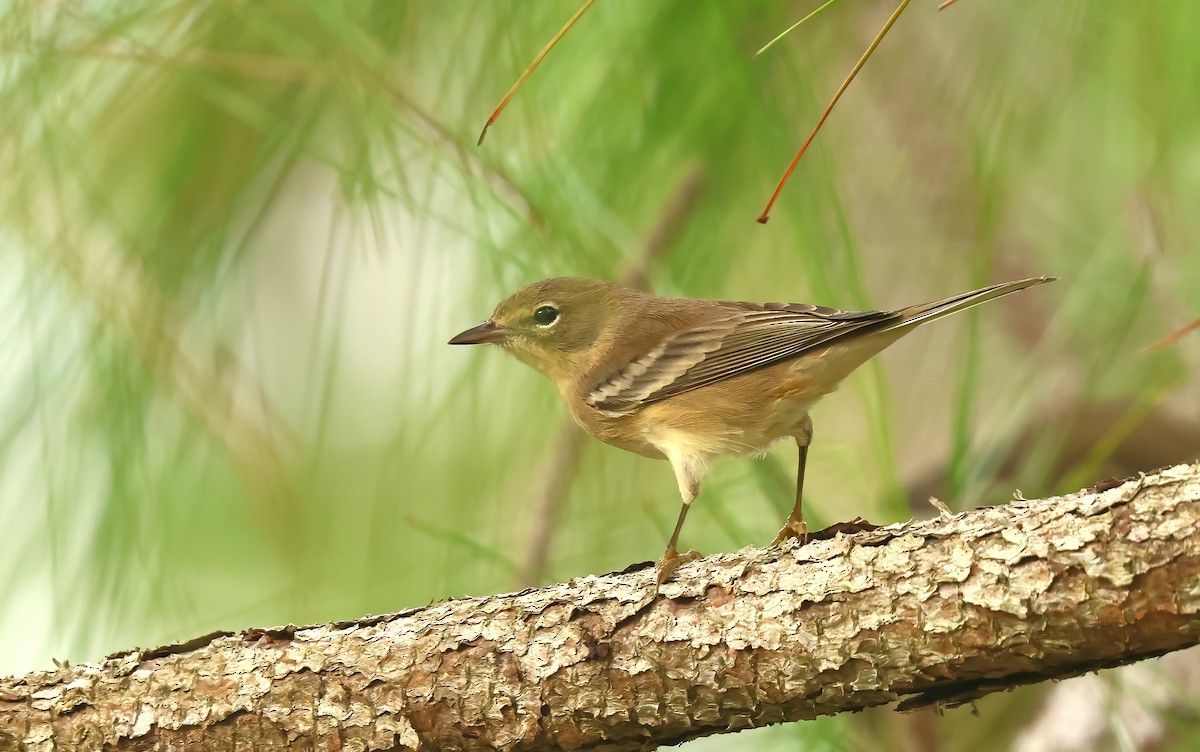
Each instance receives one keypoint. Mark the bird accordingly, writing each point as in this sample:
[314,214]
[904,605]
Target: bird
[689,380]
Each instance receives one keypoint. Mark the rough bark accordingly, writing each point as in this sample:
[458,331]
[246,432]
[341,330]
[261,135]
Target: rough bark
[932,612]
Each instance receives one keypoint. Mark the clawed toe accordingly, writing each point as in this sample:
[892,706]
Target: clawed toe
[671,561]
[792,529]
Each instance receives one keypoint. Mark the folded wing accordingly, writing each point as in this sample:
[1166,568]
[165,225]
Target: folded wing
[749,338]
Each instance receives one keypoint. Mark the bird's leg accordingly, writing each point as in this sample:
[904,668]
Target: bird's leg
[795,527]
[688,471]
[671,558]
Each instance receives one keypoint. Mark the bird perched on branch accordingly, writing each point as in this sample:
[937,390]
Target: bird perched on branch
[689,380]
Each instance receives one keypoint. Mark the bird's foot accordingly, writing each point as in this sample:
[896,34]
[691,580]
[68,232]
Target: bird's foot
[793,528]
[671,561]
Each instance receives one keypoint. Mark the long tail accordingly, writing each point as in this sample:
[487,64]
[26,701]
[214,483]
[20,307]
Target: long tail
[925,312]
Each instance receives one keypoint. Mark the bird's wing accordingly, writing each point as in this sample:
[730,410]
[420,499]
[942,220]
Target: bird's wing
[749,338]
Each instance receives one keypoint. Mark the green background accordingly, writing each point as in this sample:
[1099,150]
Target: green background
[235,237]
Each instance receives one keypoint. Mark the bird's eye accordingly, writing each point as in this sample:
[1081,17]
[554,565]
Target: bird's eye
[545,315]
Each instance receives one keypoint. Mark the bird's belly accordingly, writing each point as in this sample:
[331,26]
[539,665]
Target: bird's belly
[621,431]
[737,416]
[705,430]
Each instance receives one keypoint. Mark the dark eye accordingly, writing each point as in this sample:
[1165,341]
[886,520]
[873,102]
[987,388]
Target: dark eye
[545,315]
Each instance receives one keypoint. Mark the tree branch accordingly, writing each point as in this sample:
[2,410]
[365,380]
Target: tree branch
[933,612]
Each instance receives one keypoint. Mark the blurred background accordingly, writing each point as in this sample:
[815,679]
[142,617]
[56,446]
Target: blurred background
[235,237]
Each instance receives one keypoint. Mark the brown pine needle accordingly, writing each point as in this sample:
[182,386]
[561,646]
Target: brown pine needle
[947,4]
[841,90]
[536,61]
[1171,338]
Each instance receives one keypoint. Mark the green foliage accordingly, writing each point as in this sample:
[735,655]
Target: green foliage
[234,238]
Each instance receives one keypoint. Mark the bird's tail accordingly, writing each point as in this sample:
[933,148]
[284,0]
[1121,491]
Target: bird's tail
[925,312]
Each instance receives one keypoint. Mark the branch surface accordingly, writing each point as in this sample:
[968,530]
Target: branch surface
[934,612]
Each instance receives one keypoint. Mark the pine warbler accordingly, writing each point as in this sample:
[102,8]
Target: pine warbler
[689,380]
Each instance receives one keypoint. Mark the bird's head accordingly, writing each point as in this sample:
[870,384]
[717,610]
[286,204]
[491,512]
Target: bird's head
[552,325]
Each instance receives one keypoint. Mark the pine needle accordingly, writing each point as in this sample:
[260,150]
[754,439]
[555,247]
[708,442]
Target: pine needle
[841,90]
[792,28]
[532,66]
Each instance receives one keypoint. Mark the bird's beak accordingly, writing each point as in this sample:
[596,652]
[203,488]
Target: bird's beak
[478,335]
